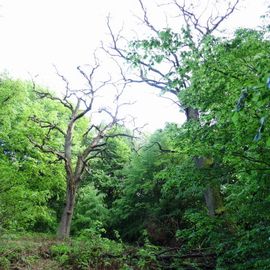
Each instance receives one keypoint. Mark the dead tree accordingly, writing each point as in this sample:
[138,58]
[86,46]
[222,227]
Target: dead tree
[174,74]
[79,103]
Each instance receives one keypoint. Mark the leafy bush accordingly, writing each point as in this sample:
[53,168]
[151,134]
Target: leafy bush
[90,211]
[61,252]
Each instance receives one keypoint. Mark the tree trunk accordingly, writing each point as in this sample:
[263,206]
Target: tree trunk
[212,195]
[213,199]
[192,114]
[65,223]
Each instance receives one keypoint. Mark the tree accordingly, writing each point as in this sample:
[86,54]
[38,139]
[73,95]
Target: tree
[167,59]
[223,87]
[82,141]
[233,100]
[230,88]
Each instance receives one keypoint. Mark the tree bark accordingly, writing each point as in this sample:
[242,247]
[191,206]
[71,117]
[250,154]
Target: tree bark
[192,114]
[213,199]
[67,214]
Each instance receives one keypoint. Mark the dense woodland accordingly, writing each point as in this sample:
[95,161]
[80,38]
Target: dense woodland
[81,195]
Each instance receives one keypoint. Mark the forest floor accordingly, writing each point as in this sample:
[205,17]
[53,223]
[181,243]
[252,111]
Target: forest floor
[46,252]
[27,253]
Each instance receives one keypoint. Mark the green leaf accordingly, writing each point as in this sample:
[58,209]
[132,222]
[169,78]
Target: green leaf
[235,118]
[268,142]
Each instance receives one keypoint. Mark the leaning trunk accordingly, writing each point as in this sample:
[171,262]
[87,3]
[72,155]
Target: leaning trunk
[65,223]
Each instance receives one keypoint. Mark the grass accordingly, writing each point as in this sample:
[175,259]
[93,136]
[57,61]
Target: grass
[90,252]
[31,252]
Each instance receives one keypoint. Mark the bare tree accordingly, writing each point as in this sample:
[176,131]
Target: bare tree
[79,103]
[172,73]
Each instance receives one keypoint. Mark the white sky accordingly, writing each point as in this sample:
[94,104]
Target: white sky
[38,33]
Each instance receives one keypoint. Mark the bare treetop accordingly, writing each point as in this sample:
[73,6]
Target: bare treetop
[197,19]
[205,18]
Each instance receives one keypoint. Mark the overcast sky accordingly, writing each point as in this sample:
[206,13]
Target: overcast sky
[38,33]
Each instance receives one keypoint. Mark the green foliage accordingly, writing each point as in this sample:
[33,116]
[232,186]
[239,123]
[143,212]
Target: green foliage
[4,263]
[227,80]
[95,251]
[147,255]
[61,253]
[90,211]
[30,181]
[153,54]
[107,172]
[142,205]
[155,195]
[231,91]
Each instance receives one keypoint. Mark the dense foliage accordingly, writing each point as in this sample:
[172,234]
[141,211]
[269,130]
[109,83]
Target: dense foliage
[32,184]
[150,193]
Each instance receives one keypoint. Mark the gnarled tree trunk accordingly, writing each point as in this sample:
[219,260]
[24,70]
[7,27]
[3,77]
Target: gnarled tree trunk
[65,223]
[67,214]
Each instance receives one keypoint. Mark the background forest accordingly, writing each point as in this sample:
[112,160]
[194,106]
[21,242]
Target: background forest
[80,195]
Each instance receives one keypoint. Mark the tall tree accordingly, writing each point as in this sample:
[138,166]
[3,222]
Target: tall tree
[231,90]
[82,140]
[167,59]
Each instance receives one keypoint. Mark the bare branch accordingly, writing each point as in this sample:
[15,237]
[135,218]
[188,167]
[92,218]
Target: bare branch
[123,54]
[108,112]
[91,128]
[68,92]
[120,135]
[46,149]
[189,17]
[47,124]
[160,148]
[212,23]
[48,95]
[172,100]
[145,17]
[219,19]
[89,78]
[115,40]
[161,84]
[94,156]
